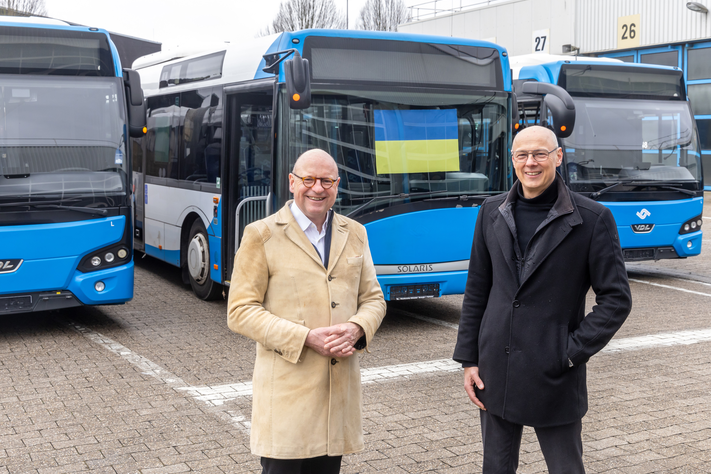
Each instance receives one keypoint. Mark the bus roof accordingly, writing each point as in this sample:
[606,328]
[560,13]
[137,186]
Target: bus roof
[54,24]
[244,60]
[32,20]
[546,68]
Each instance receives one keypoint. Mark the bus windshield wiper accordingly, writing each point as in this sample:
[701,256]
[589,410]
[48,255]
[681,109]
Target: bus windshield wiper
[392,196]
[597,194]
[681,190]
[466,197]
[659,184]
[35,204]
[86,210]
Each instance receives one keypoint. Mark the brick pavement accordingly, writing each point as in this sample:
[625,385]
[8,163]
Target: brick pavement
[69,403]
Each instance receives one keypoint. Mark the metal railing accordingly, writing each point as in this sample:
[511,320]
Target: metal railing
[254,212]
[434,8]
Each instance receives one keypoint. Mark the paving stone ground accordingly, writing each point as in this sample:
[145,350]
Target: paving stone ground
[101,389]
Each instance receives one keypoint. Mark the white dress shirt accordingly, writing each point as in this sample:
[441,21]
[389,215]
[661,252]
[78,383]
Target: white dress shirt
[318,239]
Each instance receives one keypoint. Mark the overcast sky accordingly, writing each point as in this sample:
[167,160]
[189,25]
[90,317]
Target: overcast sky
[182,22]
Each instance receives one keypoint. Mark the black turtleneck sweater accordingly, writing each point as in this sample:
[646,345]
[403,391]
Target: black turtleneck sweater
[529,213]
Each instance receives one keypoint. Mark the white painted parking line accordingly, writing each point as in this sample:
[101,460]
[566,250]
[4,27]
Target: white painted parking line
[669,287]
[217,395]
[147,367]
[658,340]
[154,370]
[692,281]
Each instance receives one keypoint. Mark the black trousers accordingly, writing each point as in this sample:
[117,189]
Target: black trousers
[562,446]
[319,465]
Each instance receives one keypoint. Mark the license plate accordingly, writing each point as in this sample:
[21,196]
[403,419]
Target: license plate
[15,303]
[637,254]
[414,292]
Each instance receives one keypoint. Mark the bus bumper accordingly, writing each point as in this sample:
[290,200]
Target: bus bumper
[686,245]
[422,285]
[117,282]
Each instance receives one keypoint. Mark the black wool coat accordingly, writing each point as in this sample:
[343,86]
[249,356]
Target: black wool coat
[523,317]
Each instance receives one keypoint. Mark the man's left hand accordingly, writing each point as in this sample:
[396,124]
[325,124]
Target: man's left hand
[343,338]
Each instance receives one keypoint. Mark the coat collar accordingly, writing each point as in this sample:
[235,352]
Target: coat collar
[564,215]
[285,219]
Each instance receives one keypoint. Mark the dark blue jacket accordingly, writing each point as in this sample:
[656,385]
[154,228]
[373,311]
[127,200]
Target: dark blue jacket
[523,316]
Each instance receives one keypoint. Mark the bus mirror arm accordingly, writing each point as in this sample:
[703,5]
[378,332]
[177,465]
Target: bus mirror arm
[515,118]
[135,103]
[559,102]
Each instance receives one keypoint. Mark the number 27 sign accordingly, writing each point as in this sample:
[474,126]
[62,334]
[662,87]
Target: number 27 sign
[540,41]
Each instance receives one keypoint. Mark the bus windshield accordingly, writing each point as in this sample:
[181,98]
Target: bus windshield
[391,146]
[630,140]
[62,136]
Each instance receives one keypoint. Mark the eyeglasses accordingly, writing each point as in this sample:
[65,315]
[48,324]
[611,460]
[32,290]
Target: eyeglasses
[538,155]
[310,181]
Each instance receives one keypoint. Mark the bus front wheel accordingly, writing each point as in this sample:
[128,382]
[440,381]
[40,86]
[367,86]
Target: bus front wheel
[198,260]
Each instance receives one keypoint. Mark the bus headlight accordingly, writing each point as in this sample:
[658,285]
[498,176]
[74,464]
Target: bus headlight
[96,261]
[692,225]
[109,257]
[99,286]
[122,253]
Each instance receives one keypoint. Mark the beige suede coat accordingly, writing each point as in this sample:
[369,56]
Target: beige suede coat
[304,404]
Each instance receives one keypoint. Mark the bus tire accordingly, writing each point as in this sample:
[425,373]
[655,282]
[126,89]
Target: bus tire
[198,263]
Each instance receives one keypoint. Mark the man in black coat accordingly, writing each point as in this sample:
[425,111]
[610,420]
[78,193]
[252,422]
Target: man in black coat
[523,336]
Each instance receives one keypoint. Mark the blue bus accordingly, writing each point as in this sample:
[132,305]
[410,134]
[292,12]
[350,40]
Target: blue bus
[420,128]
[634,148]
[67,110]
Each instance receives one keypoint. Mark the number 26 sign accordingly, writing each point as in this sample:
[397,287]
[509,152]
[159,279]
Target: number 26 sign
[628,31]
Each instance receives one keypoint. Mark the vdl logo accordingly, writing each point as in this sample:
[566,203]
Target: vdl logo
[9,266]
[643,214]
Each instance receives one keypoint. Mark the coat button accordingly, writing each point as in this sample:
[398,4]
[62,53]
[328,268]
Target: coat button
[516,304]
[333,304]
[507,350]
[330,278]
[334,362]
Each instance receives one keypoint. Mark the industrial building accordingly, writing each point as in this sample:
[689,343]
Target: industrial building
[667,32]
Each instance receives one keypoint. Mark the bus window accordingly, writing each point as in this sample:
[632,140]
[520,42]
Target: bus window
[201,119]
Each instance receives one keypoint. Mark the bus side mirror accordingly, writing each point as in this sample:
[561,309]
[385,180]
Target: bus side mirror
[298,81]
[135,104]
[559,102]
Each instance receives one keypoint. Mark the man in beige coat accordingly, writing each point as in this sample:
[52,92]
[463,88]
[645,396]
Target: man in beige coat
[304,288]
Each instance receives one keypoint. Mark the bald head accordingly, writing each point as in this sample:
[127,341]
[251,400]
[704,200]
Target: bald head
[533,143]
[315,201]
[538,133]
[318,158]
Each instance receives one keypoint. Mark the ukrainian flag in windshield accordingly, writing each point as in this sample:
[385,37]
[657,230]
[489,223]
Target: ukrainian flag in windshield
[416,141]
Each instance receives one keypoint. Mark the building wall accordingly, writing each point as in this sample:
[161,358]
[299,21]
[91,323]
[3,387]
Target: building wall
[661,22]
[510,24]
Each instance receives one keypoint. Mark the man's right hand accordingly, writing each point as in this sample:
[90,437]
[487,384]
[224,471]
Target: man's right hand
[471,378]
[316,340]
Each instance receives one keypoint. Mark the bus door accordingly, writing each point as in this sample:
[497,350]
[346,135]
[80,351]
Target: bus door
[137,183]
[249,161]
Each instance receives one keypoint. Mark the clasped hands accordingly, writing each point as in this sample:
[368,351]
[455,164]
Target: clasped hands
[335,341]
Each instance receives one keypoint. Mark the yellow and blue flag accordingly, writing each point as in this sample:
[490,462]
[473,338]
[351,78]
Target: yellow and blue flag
[416,141]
